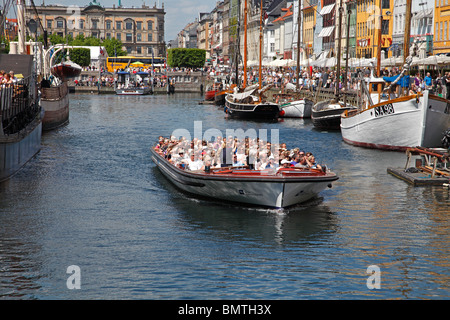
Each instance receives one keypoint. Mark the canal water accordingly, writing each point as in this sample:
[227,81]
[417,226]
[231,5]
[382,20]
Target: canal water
[93,199]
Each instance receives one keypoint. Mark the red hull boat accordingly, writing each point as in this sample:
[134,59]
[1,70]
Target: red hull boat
[66,70]
[209,95]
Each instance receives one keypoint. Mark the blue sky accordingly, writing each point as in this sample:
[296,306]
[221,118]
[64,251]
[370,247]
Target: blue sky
[178,12]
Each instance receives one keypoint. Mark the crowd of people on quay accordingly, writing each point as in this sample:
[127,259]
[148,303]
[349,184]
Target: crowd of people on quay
[313,78]
[257,154]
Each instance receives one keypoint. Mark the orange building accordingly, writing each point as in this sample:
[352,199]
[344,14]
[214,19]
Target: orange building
[441,27]
[368,25]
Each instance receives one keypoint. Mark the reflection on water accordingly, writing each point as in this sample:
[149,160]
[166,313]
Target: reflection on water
[93,198]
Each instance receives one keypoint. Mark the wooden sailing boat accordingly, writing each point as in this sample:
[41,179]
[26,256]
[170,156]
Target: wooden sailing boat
[396,122]
[295,107]
[326,115]
[249,102]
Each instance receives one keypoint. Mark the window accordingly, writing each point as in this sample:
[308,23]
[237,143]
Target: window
[108,25]
[118,25]
[129,25]
[129,37]
[150,25]
[94,34]
[150,37]
[138,37]
[81,24]
[49,24]
[94,24]
[128,49]
[108,35]
[272,47]
[118,36]
[59,24]
[385,4]
[149,50]
[139,25]
[139,50]
[385,27]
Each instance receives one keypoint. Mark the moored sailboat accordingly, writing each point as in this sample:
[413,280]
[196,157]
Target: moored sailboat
[250,103]
[391,122]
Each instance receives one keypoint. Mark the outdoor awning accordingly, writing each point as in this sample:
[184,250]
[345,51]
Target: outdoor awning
[327,9]
[423,14]
[326,32]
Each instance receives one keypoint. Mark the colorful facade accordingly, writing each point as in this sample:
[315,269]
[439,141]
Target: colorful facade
[441,27]
[371,15]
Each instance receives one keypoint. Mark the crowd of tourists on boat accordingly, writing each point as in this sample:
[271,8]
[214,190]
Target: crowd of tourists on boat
[255,154]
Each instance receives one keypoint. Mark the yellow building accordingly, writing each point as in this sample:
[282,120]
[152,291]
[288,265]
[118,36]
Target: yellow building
[441,27]
[309,23]
[370,16]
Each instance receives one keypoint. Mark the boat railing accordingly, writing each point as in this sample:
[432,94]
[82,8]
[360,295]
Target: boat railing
[18,105]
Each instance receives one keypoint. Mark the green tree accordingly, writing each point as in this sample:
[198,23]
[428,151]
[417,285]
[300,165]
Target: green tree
[81,56]
[186,58]
[114,47]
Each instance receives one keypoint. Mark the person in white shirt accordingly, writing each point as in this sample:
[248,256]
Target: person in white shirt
[194,165]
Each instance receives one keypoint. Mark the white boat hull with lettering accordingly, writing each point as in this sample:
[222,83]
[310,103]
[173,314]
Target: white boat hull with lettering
[398,124]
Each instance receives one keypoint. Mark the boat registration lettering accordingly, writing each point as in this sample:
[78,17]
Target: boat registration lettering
[384,110]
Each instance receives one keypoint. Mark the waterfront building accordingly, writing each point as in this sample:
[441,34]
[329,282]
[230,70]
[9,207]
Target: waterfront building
[272,48]
[371,16]
[423,13]
[309,24]
[203,31]
[187,38]
[441,27]
[351,46]
[327,34]
[140,29]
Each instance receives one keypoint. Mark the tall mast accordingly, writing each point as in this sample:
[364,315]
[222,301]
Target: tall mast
[21,25]
[260,47]
[297,70]
[407,30]
[380,24]
[238,42]
[338,58]
[245,42]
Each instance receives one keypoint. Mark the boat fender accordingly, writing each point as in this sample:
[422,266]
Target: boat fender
[417,99]
[330,186]
[282,113]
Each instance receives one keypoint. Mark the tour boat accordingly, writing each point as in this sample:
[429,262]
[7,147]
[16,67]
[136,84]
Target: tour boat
[66,70]
[129,83]
[268,188]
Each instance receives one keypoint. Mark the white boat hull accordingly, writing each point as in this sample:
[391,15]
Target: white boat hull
[297,109]
[261,191]
[398,124]
[133,91]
